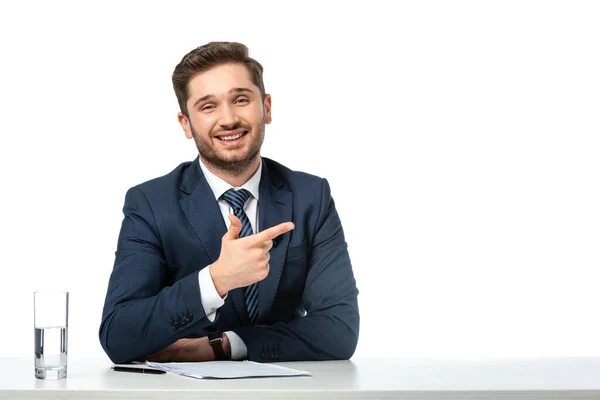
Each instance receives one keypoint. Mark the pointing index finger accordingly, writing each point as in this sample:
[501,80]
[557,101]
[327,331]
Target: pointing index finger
[272,233]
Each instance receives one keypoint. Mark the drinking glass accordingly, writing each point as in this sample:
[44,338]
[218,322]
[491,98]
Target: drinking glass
[51,321]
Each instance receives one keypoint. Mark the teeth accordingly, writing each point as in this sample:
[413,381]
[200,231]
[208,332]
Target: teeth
[233,137]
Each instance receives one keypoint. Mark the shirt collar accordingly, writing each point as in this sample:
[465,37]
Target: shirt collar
[219,186]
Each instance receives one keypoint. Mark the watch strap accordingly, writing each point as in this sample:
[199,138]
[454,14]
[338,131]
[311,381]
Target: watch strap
[215,339]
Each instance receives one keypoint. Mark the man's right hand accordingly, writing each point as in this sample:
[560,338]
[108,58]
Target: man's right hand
[244,261]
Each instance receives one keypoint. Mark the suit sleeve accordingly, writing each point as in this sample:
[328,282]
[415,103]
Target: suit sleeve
[329,330]
[141,313]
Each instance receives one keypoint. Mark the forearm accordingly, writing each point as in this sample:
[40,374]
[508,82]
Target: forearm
[133,329]
[330,334]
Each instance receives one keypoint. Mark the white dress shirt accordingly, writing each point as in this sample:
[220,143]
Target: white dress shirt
[211,301]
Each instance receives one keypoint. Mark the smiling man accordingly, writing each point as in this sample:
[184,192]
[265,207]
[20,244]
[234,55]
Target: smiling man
[232,255]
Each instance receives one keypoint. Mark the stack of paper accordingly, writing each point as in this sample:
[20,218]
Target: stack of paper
[226,369]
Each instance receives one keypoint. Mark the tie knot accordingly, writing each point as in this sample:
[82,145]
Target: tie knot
[236,198]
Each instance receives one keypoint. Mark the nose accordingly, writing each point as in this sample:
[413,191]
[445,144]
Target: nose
[228,118]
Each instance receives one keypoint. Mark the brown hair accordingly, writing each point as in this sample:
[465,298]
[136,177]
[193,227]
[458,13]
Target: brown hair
[208,56]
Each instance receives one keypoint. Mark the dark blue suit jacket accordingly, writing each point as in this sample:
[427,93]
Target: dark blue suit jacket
[173,227]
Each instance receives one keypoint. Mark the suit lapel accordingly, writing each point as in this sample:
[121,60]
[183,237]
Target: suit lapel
[274,207]
[202,211]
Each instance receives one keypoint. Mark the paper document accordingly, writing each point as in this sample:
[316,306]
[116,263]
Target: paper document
[226,369]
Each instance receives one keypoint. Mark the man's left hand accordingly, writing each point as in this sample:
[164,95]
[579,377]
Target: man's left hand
[189,350]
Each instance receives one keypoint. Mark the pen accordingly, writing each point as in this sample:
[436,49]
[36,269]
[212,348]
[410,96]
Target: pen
[138,370]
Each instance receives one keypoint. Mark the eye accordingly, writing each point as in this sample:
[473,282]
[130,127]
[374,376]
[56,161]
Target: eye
[207,107]
[242,99]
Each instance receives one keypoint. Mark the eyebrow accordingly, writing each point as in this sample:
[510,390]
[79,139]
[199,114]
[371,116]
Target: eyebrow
[232,90]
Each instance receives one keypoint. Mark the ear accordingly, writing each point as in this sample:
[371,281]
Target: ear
[268,118]
[185,124]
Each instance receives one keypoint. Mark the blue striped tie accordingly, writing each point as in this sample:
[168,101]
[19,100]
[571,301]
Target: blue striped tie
[237,199]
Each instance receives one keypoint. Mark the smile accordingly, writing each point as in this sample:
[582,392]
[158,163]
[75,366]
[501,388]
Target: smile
[232,137]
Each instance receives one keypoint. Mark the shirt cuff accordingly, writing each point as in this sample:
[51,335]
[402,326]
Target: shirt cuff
[239,351]
[211,301]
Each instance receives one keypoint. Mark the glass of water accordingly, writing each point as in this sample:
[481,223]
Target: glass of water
[51,321]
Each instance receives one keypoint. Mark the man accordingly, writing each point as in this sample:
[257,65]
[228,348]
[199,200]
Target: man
[231,256]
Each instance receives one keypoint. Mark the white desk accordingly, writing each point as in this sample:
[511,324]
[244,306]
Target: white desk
[560,378]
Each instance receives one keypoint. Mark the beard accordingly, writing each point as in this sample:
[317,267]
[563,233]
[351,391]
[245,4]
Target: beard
[235,165]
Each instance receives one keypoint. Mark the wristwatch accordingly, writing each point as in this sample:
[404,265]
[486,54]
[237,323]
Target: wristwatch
[215,339]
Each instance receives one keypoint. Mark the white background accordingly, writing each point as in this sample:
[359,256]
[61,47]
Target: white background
[460,139]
